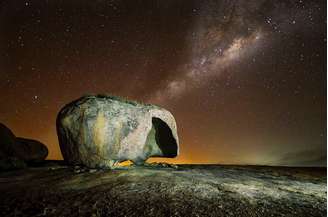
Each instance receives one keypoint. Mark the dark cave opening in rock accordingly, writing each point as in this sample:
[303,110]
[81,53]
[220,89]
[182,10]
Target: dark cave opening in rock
[164,138]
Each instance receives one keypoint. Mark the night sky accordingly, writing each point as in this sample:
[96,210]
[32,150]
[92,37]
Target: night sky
[245,80]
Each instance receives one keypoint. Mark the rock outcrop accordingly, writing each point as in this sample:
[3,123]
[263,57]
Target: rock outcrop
[100,131]
[15,152]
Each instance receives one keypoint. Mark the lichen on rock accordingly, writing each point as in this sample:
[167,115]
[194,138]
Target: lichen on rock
[101,130]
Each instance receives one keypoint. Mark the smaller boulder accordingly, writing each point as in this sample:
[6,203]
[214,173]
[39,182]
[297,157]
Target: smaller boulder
[31,150]
[7,142]
[15,152]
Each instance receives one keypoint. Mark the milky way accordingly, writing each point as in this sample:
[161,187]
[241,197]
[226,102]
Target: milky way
[223,35]
[245,80]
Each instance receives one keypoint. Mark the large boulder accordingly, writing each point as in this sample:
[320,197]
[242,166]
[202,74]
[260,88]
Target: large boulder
[99,131]
[15,152]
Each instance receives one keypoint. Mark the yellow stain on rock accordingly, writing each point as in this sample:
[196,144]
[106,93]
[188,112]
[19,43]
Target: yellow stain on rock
[82,137]
[117,136]
[99,131]
[66,121]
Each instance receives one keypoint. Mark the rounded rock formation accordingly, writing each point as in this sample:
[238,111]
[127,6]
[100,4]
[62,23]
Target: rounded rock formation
[99,131]
[31,150]
[7,142]
[15,152]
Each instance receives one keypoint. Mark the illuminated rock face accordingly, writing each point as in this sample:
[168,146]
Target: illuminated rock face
[99,131]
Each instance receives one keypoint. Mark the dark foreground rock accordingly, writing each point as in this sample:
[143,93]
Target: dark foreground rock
[16,152]
[31,150]
[7,142]
[58,190]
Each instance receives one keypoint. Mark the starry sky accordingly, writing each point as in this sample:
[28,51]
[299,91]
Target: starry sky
[245,80]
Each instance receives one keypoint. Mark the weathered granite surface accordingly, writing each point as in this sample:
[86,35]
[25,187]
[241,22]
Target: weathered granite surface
[100,131]
[189,190]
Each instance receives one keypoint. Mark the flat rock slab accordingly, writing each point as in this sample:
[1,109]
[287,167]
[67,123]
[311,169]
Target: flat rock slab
[198,190]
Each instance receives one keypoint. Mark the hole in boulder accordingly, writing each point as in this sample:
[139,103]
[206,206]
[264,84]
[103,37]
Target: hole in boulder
[164,138]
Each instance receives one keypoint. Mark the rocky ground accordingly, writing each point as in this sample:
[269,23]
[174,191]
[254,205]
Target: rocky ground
[54,189]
